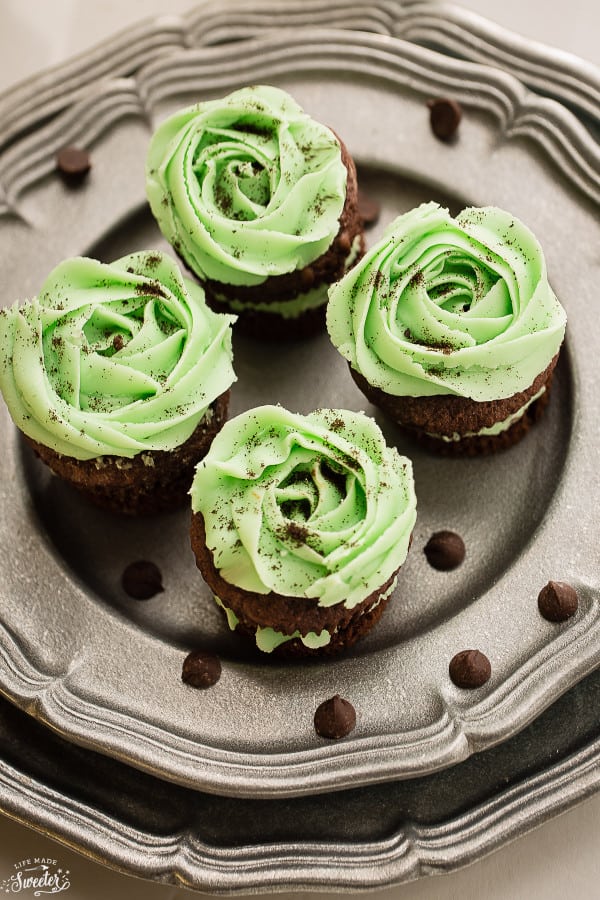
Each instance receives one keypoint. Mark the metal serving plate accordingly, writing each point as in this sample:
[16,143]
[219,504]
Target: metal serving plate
[370,837]
[105,670]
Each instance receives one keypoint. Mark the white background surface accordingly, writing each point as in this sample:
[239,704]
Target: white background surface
[560,860]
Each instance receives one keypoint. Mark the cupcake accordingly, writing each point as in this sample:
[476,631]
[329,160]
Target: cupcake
[300,525]
[118,376]
[450,326]
[261,203]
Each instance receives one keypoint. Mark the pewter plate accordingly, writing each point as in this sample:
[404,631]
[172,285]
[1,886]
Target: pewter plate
[365,838]
[104,670]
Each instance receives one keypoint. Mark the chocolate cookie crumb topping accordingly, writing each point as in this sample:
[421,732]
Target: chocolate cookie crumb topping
[73,163]
[335,718]
[469,669]
[201,669]
[142,580]
[557,601]
[445,550]
[368,209]
[297,532]
[444,116]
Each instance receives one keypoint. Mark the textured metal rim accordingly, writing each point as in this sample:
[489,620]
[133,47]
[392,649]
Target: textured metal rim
[182,860]
[410,850]
[444,26]
[88,110]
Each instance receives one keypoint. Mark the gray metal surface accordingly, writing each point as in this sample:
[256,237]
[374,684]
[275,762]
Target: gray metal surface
[371,837]
[105,670]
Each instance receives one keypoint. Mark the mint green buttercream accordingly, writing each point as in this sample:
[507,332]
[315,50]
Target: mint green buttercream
[267,639]
[113,359]
[232,619]
[310,506]
[449,306]
[246,187]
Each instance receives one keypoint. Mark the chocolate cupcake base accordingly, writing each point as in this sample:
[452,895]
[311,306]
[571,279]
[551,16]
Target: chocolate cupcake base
[449,425]
[151,482]
[341,639]
[485,445]
[248,611]
[271,326]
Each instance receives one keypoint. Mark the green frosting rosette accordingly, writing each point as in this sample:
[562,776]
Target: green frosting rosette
[246,187]
[449,306]
[113,359]
[310,506]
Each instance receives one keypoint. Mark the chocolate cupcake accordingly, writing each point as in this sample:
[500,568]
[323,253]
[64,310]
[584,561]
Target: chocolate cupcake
[300,525]
[450,326]
[261,203]
[118,376]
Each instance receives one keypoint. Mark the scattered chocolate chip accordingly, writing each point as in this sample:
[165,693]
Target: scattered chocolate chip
[142,580]
[201,669]
[557,601]
[445,550]
[368,209]
[118,342]
[469,669]
[73,163]
[335,718]
[444,116]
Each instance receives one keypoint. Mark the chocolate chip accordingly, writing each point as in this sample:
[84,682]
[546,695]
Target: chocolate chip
[557,601]
[445,550]
[118,342]
[368,209]
[201,669]
[142,580]
[73,163]
[335,718]
[469,669]
[444,117]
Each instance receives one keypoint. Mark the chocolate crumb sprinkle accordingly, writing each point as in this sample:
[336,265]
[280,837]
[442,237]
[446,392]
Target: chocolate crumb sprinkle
[297,532]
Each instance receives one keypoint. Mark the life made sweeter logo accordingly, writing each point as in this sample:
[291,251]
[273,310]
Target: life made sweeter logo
[36,877]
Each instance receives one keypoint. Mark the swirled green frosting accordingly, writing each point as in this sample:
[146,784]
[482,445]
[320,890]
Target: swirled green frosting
[113,359]
[246,187]
[310,506]
[449,306]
